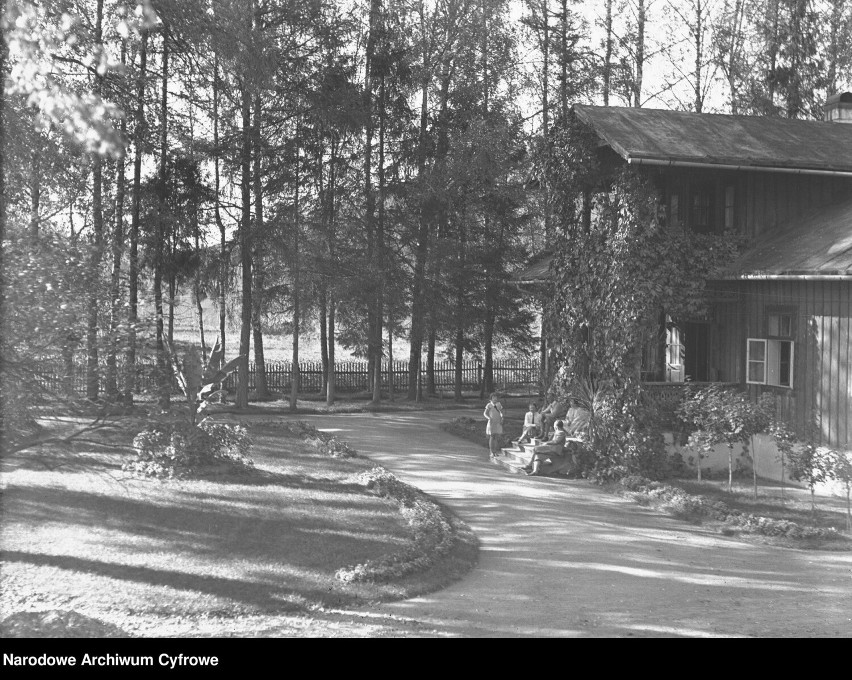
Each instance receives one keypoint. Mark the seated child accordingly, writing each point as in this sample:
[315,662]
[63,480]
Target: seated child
[554,447]
[533,425]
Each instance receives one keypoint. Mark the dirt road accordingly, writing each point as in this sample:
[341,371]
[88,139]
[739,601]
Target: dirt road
[563,558]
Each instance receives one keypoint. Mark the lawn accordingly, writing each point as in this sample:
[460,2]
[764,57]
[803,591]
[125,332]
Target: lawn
[80,534]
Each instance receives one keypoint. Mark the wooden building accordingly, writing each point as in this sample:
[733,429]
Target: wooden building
[781,318]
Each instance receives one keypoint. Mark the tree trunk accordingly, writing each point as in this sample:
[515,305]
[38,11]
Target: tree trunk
[754,467]
[294,374]
[418,302]
[163,382]
[245,250]
[223,244]
[110,380]
[330,385]
[380,248]
[35,188]
[640,55]
[488,369]
[3,279]
[607,71]
[133,259]
[323,312]
[92,373]
[390,358]
[257,296]
[698,35]
[373,331]
[563,61]
[545,118]
[430,359]
[730,469]
[459,362]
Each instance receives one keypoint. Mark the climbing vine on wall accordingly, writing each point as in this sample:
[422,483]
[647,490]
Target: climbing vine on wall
[617,265]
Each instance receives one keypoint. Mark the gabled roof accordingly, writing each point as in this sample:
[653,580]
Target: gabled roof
[818,246]
[701,139]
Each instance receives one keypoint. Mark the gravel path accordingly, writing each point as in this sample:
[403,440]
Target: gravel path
[562,558]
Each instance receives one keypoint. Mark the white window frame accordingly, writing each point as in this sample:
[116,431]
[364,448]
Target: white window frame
[763,361]
[771,361]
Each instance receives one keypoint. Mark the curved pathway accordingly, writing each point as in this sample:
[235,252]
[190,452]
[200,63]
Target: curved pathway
[562,558]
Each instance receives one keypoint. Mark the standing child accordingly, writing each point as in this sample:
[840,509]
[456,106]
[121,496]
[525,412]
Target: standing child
[532,424]
[494,414]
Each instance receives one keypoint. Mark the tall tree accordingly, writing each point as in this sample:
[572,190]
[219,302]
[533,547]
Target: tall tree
[133,258]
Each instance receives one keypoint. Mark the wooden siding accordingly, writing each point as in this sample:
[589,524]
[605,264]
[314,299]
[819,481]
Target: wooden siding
[822,361]
[763,201]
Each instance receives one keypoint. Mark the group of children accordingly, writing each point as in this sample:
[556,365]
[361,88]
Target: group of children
[536,422]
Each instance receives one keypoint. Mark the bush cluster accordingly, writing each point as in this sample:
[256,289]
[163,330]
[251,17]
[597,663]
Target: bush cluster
[433,534]
[624,441]
[180,449]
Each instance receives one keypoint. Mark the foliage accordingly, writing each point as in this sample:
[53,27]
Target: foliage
[617,264]
[811,464]
[841,470]
[181,449]
[623,436]
[721,415]
[199,380]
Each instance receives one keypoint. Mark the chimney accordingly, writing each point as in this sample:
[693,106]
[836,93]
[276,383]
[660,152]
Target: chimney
[838,108]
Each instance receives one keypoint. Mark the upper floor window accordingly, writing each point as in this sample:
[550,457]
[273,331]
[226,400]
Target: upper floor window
[729,207]
[701,209]
[674,211]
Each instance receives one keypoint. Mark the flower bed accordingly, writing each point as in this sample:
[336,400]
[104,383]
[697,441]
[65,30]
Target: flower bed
[683,505]
[435,534]
[433,538]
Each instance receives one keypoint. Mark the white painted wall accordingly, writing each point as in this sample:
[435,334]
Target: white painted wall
[767,457]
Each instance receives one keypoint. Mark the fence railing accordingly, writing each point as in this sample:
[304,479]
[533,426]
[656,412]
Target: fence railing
[349,376]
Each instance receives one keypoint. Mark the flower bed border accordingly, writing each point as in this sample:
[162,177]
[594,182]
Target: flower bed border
[683,505]
[436,532]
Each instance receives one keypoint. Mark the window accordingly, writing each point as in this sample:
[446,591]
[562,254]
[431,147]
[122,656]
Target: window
[729,208]
[769,362]
[701,210]
[674,211]
[779,325]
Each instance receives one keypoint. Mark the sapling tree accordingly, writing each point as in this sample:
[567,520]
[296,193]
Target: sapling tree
[785,440]
[722,416]
[841,470]
[811,464]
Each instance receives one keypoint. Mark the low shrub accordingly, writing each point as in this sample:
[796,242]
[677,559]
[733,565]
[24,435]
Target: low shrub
[180,449]
[324,442]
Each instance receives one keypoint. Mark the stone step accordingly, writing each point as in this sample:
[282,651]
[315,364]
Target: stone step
[510,464]
[517,455]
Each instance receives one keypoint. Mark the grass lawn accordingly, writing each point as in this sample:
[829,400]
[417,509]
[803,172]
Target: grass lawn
[80,534]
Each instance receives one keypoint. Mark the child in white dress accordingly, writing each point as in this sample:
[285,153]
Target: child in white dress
[494,414]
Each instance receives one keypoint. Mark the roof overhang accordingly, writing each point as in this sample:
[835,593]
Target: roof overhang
[671,162]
